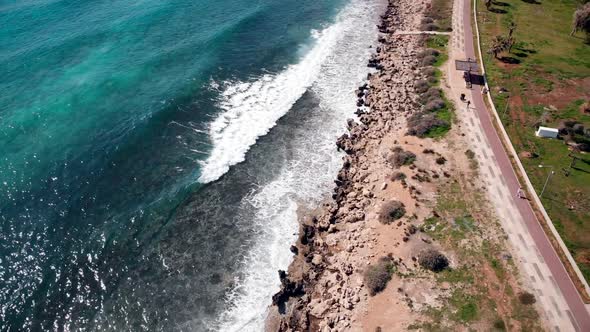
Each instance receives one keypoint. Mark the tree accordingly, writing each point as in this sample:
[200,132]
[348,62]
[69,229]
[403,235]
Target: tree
[510,41]
[582,20]
[489,4]
[499,44]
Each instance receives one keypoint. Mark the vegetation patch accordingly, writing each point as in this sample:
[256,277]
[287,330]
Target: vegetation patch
[391,211]
[378,275]
[434,120]
[438,16]
[398,176]
[433,260]
[400,157]
[481,280]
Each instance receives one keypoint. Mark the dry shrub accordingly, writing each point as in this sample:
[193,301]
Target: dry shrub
[428,71]
[441,160]
[431,94]
[499,325]
[400,157]
[427,20]
[378,275]
[433,260]
[527,298]
[421,123]
[397,176]
[391,211]
[427,52]
[585,107]
[434,105]
[428,60]
[421,86]
[428,27]
[470,154]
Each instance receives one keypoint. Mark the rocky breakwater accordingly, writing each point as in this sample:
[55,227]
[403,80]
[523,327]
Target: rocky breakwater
[323,288]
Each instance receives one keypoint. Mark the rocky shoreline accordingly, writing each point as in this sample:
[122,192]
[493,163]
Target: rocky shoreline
[322,288]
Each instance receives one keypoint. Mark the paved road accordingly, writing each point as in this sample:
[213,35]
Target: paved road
[577,308]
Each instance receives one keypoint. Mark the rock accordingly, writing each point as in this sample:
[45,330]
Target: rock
[288,289]
[307,234]
[343,143]
[317,259]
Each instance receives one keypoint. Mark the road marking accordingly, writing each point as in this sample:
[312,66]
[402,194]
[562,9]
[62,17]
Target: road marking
[555,305]
[538,271]
[499,190]
[555,285]
[492,172]
[539,254]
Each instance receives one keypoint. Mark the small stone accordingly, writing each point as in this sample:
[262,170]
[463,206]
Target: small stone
[317,260]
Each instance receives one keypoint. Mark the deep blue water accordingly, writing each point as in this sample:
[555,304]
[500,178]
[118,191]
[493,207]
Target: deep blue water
[104,116]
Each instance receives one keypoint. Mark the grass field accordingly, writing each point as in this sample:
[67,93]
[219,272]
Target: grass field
[543,81]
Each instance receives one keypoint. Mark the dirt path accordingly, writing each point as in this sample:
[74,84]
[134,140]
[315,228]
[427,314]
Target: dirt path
[556,293]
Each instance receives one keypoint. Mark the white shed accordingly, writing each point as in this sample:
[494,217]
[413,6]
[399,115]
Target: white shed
[547,132]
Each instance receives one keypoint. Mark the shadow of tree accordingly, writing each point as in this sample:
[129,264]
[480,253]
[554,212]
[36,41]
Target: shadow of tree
[535,2]
[526,50]
[510,60]
[498,11]
[501,4]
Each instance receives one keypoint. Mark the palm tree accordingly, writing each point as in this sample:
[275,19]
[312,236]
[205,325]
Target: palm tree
[499,44]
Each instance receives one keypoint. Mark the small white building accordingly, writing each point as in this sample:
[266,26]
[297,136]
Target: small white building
[547,132]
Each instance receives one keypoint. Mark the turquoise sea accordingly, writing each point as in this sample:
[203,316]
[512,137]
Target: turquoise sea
[153,154]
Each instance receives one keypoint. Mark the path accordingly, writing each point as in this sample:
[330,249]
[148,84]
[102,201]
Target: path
[396,33]
[555,291]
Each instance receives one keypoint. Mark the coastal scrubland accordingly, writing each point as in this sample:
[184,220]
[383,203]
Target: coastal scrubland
[544,79]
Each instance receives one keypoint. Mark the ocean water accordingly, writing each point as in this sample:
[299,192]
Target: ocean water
[153,154]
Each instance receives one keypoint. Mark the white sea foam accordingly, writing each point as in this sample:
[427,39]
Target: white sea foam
[251,109]
[332,70]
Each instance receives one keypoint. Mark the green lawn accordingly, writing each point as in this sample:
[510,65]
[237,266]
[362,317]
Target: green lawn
[547,76]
